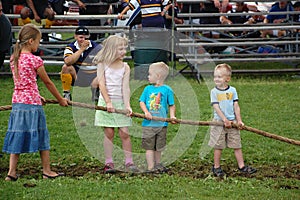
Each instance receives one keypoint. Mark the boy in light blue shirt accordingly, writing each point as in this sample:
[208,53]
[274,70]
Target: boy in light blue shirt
[224,100]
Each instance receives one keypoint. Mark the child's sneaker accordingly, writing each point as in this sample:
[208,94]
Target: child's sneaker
[160,168]
[218,171]
[109,168]
[67,95]
[130,167]
[247,170]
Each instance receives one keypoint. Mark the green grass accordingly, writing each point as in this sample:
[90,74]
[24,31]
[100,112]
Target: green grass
[267,103]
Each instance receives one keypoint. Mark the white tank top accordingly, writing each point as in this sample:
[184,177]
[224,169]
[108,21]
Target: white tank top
[114,82]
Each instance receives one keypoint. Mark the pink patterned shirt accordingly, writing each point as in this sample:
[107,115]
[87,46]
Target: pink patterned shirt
[26,90]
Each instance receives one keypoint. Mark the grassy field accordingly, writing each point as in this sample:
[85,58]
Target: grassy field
[267,103]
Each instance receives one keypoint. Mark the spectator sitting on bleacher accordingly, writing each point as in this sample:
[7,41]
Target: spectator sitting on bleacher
[78,64]
[190,8]
[241,7]
[254,19]
[168,16]
[60,7]
[57,6]
[152,12]
[38,10]
[296,6]
[98,8]
[212,7]
[296,17]
[281,6]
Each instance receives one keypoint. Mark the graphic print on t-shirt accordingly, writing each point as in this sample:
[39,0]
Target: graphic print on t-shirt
[155,102]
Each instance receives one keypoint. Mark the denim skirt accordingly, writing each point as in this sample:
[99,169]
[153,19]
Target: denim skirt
[27,130]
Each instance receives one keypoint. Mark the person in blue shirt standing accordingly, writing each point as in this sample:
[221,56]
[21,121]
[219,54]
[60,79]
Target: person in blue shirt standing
[156,100]
[224,100]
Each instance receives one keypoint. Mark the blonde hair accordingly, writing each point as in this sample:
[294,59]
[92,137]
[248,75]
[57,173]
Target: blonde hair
[27,32]
[225,68]
[160,68]
[108,53]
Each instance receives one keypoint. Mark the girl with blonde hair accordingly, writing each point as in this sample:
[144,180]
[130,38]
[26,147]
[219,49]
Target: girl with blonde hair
[113,75]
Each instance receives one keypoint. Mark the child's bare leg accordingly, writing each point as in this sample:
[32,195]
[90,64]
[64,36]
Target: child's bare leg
[45,157]
[157,156]
[217,158]
[126,144]
[13,161]
[239,157]
[150,159]
[108,144]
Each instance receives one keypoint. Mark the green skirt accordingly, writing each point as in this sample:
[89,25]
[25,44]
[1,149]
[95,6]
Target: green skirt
[106,119]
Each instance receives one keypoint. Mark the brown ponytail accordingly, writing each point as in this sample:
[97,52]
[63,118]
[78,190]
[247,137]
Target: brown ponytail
[28,31]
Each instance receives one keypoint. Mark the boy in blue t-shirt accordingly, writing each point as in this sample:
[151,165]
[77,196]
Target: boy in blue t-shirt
[156,100]
[224,100]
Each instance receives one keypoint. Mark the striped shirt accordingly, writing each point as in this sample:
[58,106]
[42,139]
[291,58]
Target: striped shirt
[87,56]
[151,11]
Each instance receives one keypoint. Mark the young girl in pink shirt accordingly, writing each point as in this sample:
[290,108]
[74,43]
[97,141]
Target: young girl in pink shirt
[27,131]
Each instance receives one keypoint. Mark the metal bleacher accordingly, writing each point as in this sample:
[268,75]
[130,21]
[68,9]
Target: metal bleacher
[53,49]
[245,49]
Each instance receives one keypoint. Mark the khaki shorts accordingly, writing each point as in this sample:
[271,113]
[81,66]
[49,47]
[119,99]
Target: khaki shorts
[221,137]
[154,138]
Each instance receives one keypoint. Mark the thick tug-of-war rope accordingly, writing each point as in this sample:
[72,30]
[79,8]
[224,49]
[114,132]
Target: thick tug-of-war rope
[179,121]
